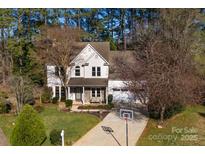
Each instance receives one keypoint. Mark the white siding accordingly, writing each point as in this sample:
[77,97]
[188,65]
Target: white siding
[96,61]
[88,55]
[52,80]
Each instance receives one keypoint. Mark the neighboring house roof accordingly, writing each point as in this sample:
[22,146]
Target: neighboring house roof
[88,82]
[103,48]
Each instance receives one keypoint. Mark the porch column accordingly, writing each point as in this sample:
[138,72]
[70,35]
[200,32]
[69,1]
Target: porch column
[54,91]
[59,93]
[68,92]
[83,97]
[106,94]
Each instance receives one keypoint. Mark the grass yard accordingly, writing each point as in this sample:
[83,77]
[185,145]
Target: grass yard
[74,124]
[186,128]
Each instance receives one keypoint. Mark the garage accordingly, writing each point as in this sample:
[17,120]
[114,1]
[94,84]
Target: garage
[119,91]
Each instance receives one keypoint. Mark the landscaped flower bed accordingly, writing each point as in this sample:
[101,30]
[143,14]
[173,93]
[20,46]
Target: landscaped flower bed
[103,107]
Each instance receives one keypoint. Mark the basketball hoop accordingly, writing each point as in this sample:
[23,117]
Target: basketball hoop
[126,114]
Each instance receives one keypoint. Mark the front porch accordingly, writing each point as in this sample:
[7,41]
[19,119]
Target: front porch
[82,94]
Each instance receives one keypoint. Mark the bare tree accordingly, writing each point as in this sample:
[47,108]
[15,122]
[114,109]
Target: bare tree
[23,91]
[164,71]
[60,49]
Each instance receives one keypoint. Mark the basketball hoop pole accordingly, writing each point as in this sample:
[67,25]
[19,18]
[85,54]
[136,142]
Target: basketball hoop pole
[126,131]
[126,115]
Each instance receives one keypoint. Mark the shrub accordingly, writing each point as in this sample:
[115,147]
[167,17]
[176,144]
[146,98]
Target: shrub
[31,101]
[169,112]
[111,105]
[29,129]
[5,107]
[173,110]
[2,107]
[55,100]
[110,98]
[46,96]
[69,103]
[39,108]
[63,99]
[55,137]
[104,107]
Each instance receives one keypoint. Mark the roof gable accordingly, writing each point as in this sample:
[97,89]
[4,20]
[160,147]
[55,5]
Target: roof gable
[88,51]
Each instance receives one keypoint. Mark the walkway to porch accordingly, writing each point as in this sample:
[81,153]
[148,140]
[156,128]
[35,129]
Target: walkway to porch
[75,109]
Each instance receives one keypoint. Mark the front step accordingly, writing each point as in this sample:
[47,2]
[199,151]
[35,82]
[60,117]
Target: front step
[77,103]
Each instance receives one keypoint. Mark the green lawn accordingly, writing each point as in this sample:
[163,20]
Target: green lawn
[74,124]
[186,128]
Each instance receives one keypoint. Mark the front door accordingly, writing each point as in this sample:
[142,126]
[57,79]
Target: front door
[78,93]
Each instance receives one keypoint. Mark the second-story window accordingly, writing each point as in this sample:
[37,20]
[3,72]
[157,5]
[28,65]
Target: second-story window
[93,71]
[77,71]
[98,71]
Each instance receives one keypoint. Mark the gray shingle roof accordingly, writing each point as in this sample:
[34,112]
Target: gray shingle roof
[88,82]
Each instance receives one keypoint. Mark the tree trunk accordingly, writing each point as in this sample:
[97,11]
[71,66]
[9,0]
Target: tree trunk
[78,18]
[162,115]
[3,71]
[18,26]
[3,57]
[112,22]
[29,25]
[40,98]
[124,42]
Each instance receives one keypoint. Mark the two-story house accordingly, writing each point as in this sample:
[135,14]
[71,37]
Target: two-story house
[88,72]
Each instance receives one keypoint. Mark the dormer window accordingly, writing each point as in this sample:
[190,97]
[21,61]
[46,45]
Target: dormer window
[77,71]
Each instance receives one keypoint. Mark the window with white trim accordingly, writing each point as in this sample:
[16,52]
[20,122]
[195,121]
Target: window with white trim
[98,71]
[57,91]
[93,71]
[93,92]
[98,92]
[77,71]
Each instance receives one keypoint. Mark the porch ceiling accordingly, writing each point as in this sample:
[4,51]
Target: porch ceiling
[88,82]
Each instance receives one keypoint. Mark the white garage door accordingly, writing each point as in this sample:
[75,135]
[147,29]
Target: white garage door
[119,91]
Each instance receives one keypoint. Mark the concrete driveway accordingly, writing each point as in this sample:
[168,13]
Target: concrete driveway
[97,137]
[3,139]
